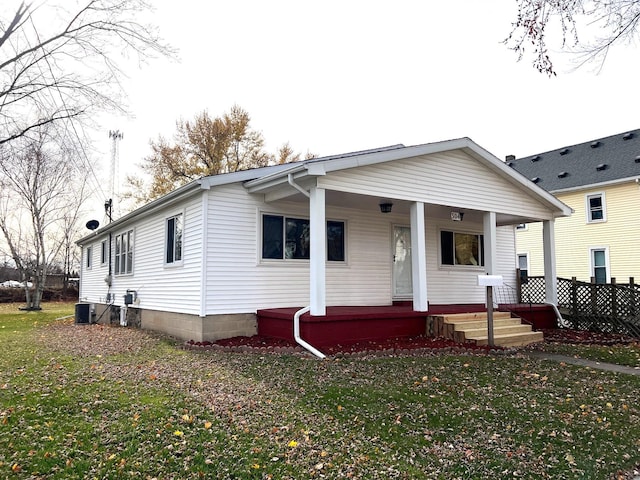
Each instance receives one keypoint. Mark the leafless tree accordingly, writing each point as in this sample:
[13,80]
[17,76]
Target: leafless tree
[41,190]
[64,61]
[609,23]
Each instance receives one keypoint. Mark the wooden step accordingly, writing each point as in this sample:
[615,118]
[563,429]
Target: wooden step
[510,340]
[499,322]
[472,327]
[473,333]
[470,317]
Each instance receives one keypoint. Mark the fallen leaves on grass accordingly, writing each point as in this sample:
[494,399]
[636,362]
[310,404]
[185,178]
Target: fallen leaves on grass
[453,415]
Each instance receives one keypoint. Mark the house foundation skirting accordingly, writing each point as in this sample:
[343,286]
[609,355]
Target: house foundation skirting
[182,326]
[200,329]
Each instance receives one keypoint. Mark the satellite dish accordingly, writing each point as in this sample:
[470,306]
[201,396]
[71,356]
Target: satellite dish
[93,224]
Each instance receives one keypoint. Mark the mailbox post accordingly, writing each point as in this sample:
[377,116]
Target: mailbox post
[490,281]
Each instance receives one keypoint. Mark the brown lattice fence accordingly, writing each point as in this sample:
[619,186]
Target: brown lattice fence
[609,308]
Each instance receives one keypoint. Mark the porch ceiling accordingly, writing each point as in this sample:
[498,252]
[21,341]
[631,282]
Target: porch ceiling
[371,203]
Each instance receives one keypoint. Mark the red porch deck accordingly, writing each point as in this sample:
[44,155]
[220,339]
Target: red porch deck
[345,325]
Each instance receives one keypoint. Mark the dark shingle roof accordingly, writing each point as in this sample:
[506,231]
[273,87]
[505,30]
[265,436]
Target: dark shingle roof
[597,161]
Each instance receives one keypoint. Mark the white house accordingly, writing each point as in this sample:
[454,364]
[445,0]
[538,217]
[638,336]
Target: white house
[415,224]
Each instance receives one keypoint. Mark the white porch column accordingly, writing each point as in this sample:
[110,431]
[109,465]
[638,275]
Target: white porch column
[490,247]
[549,247]
[317,250]
[418,257]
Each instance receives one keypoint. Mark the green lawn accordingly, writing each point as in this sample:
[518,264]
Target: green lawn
[80,401]
[628,355]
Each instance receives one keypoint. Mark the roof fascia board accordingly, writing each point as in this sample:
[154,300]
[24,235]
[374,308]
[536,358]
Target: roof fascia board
[282,177]
[591,186]
[162,202]
[245,175]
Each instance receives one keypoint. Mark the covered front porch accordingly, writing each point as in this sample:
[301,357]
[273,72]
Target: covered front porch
[419,225]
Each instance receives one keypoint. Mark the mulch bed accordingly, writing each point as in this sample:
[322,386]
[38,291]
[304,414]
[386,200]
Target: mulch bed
[392,345]
[405,345]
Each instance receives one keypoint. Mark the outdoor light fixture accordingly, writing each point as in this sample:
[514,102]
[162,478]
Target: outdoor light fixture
[385,206]
[457,216]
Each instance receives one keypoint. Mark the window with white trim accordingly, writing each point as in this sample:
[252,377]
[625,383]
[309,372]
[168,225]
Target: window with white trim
[123,258]
[461,248]
[89,254]
[600,264]
[104,252]
[596,208]
[173,245]
[523,267]
[285,238]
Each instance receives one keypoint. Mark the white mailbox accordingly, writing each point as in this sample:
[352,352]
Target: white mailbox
[490,280]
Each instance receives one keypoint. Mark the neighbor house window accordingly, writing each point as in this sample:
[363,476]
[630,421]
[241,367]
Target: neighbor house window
[124,253]
[600,264]
[457,248]
[523,267]
[174,239]
[596,211]
[89,255]
[104,252]
[289,238]
[521,226]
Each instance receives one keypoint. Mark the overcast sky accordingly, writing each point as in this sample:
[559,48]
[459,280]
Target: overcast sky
[332,77]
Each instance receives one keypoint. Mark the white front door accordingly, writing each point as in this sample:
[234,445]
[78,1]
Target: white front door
[402,282]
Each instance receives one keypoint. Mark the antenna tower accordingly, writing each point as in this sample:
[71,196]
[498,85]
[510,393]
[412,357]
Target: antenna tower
[114,180]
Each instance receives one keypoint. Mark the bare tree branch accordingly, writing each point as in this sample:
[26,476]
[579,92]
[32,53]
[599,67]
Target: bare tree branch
[616,22]
[67,64]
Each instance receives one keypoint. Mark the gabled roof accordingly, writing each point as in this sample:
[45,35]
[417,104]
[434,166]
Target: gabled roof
[321,166]
[602,161]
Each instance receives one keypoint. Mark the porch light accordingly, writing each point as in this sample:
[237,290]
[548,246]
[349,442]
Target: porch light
[385,207]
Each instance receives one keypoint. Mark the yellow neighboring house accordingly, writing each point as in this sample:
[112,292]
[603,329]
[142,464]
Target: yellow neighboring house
[600,181]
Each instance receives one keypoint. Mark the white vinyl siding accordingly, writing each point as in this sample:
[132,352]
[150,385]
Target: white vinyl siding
[92,284]
[238,282]
[157,287]
[453,178]
[161,288]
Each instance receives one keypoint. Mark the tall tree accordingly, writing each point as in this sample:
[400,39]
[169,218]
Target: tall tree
[41,190]
[204,146]
[616,22]
[61,61]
